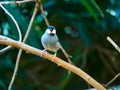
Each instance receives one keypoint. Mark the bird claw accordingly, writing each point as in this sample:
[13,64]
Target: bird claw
[69,56]
[43,52]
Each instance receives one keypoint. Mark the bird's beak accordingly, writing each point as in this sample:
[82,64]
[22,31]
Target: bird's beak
[53,31]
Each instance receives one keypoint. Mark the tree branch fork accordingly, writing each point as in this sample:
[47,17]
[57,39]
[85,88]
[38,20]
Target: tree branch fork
[7,41]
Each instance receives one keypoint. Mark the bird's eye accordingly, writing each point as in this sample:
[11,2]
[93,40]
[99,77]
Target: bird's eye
[48,31]
[54,31]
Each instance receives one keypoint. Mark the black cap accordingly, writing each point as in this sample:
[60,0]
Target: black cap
[51,27]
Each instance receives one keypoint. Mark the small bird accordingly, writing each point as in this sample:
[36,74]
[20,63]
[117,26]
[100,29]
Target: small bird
[50,42]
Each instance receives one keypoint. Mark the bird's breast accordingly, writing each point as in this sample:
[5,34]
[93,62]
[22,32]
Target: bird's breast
[50,42]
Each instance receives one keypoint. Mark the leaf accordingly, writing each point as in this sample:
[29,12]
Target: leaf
[89,8]
[98,8]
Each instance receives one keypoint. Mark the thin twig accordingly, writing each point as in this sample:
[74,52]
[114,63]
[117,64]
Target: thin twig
[114,44]
[118,49]
[2,51]
[16,2]
[20,51]
[62,63]
[116,76]
[18,28]
[19,31]
[43,13]
[66,55]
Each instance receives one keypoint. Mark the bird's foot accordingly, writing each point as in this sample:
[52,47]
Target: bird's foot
[43,52]
[69,56]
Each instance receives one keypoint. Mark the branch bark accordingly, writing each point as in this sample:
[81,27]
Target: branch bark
[16,2]
[114,44]
[20,51]
[7,41]
[17,26]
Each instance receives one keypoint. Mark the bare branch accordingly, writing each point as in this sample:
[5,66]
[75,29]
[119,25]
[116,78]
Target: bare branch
[19,31]
[31,22]
[5,49]
[116,76]
[60,62]
[18,28]
[20,51]
[43,13]
[66,55]
[114,44]
[16,2]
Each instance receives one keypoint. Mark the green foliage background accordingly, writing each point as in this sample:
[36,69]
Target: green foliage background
[82,27]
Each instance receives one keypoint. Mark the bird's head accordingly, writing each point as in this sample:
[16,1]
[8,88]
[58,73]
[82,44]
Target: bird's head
[51,30]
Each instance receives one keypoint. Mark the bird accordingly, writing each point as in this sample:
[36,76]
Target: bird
[51,42]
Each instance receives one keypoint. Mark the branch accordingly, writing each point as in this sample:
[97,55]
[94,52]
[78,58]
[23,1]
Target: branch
[20,51]
[66,55]
[48,24]
[19,31]
[5,49]
[114,44]
[60,62]
[43,13]
[18,28]
[116,76]
[118,49]
[16,2]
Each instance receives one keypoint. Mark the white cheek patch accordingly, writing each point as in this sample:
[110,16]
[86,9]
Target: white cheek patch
[48,31]
[53,31]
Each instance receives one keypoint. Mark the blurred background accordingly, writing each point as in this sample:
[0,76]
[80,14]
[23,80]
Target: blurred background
[82,27]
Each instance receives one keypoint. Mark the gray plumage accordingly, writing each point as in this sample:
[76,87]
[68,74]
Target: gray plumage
[50,40]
